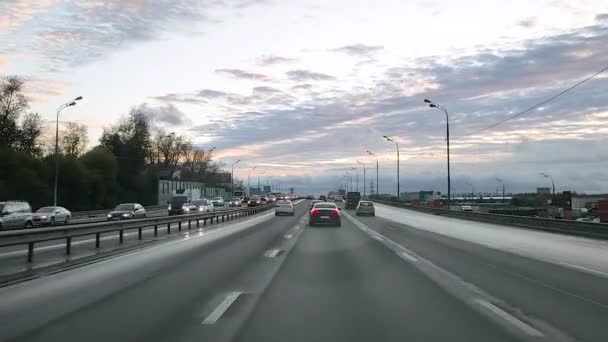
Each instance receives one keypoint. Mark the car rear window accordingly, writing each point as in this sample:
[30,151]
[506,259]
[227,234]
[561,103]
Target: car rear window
[325,206]
[366,204]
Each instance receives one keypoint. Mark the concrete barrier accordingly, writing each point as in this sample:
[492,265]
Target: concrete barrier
[586,229]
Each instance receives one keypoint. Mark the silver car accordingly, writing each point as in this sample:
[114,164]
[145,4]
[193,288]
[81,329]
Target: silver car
[15,214]
[284,207]
[365,208]
[204,205]
[52,215]
[217,202]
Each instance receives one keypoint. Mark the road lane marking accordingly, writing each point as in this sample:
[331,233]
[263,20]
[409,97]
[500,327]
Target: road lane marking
[500,313]
[221,308]
[586,269]
[288,236]
[272,253]
[475,297]
[407,256]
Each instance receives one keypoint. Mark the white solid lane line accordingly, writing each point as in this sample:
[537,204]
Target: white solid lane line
[500,313]
[407,256]
[585,269]
[221,308]
[272,253]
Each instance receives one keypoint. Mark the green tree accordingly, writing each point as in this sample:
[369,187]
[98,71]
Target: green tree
[103,170]
[129,141]
[12,104]
[30,133]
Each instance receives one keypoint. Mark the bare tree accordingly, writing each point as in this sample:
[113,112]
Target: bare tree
[171,148]
[74,140]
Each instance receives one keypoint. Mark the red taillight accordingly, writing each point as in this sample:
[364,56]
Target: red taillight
[315,212]
[334,213]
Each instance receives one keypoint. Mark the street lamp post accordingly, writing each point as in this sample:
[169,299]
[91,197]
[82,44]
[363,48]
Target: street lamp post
[447,134]
[349,182]
[249,181]
[377,185]
[472,190]
[397,145]
[232,177]
[503,188]
[62,107]
[364,176]
[552,181]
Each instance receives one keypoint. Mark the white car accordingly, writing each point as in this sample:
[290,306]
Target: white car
[284,207]
[52,215]
[466,208]
[217,201]
[235,202]
[338,198]
[204,205]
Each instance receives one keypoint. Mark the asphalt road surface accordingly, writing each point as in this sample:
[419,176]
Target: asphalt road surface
[273,278]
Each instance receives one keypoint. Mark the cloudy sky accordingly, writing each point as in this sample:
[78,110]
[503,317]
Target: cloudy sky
[301,89]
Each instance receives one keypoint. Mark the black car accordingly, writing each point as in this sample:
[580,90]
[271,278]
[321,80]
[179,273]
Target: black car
[254,201]
[127,211]
[323,198]
[325,213]
[352,199]
[180,205]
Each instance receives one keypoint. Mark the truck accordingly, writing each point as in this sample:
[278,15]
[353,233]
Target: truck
[352,199]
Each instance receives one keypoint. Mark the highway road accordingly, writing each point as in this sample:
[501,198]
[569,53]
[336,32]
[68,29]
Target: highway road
[399,276]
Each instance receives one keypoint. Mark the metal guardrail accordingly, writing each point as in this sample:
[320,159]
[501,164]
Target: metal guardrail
[103,212]
[586,229]
[30,237]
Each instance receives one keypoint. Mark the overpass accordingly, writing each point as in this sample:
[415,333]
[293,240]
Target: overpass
[403,275]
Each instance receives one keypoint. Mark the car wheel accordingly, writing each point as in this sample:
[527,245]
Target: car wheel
[29,224]
[52,221]
[67,220]
[339,224]
[276,214]
[310,224]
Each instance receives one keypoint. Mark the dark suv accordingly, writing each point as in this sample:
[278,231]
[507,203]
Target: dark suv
[352,199]
[180,205]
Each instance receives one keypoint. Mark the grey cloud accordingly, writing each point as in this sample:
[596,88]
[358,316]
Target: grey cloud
[529,22]
[306,75]
[211,94]
[359,50]
[601,17]
[274,60]
[266,90]
[78,32]
[242,74]
[165,115]
[172,97]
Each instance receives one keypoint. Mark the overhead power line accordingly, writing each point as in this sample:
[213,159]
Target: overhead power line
[539,104]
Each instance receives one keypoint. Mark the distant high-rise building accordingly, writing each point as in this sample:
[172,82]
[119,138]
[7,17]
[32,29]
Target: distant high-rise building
[543,191]
[267,189]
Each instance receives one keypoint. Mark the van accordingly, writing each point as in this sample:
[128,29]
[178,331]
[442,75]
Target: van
[15,214]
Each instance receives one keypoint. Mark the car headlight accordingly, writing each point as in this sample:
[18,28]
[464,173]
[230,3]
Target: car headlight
[186,210]
[43,217]
[125,215]
[169,208]
[109,216]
